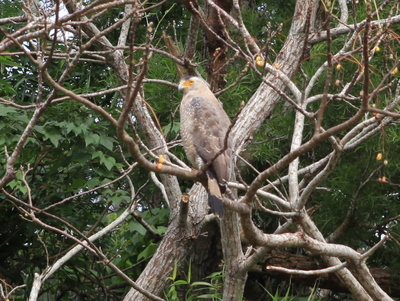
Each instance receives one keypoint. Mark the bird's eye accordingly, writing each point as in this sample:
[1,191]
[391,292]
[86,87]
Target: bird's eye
[191,82]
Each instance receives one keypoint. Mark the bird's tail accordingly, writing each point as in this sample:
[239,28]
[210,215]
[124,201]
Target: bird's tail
[215,197]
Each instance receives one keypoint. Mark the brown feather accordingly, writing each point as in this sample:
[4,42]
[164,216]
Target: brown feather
[204,125]
[215,197]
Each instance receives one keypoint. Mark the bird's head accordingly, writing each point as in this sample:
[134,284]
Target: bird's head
[188,82]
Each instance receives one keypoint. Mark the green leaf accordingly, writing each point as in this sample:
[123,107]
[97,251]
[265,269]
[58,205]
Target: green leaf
[118,199]
[71,127]
[81,156]
[149,251]
[6,88]
[161,230]
[107,142]
[93,182]
[5,110]
[206,296]
[31,140]
[181,282]
[40,129]
[134,226]
[78,182]
[104,172]
[97,154]
[16,184]
[172,127]
[109,162]
[92,138]
[201,283]
[53,135]
[6,61]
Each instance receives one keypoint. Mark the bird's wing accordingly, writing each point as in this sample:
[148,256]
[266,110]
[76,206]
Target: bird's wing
[211,124]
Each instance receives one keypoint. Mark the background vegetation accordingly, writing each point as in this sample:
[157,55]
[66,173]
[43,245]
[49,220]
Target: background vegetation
[67,172]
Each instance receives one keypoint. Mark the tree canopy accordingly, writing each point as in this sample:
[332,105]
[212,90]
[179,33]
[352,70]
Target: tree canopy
[99,202]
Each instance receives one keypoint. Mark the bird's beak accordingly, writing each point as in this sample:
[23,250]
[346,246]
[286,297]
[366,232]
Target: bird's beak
[181,87]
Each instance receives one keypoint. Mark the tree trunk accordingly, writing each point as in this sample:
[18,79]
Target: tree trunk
[231,245]
[175,246]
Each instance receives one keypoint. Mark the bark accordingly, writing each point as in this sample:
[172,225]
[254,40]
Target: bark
[186,226]
[263,101]
[231,245]
[206,254]
[174,247]
[217,49]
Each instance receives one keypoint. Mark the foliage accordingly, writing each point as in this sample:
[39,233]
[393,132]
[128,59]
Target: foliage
[74,174]
[191,289]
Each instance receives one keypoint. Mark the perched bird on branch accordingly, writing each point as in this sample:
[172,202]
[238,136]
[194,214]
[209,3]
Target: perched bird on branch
[204,131]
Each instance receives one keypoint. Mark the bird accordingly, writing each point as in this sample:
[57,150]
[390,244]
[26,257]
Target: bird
[204,127]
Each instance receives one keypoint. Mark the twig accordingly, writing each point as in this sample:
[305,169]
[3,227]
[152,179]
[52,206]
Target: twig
[279,213]
[279,201]
[160,186]
[124,174]
[309,272]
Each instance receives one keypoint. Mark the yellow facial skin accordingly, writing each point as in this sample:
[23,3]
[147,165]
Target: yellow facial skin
[185,83]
